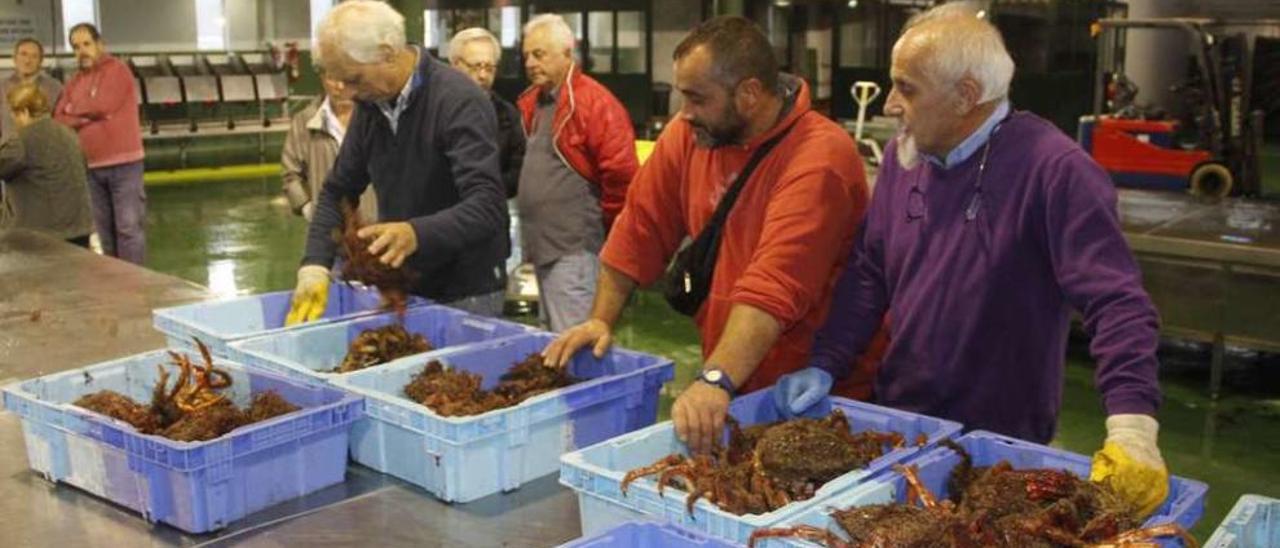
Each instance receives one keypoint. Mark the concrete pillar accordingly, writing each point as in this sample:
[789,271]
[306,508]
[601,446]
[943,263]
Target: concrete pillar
[1157,59]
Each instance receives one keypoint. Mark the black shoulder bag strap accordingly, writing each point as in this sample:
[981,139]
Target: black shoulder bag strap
[688,277]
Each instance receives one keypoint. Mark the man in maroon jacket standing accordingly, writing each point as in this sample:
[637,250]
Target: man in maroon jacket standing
[101,104]
[579,158]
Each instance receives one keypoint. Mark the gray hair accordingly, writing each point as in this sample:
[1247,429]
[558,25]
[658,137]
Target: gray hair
[965,44]
[360,29]
[474,34]
[554,24]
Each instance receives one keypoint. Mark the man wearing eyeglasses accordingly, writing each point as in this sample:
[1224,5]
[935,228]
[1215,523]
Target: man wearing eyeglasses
[987,227]
[476,52]
[580,158]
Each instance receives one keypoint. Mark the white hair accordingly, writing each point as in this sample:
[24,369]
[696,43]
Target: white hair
[556,25]
[964,43]
[474,34]
[360,29]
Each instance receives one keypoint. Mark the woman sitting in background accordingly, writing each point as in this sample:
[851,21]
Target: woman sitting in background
[44,172]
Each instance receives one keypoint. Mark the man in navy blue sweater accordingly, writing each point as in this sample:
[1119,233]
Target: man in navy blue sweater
[426,136]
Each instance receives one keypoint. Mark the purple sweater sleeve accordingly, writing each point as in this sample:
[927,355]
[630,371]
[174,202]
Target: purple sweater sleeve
[860,296]
[1100,278]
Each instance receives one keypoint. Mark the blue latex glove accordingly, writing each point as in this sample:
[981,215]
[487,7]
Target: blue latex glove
[797,392]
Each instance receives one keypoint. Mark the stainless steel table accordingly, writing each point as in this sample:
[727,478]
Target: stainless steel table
[1211,266]
[62,307]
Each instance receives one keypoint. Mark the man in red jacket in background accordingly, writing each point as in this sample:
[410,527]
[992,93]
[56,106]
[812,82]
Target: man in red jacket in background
[101,104]
[784,241]
[579,158]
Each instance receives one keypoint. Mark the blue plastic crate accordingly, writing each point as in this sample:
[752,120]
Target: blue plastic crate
[217,323]
[643,534]
[460,459]
[1254,522]
[311,352]
[194,486]
[596,472]
[1184,506]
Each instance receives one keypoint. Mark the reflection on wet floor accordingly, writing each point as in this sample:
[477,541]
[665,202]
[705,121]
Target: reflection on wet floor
[234,237]
[240,238]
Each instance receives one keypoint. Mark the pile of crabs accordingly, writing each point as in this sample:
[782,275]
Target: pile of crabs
[767,466]
[453,392]
[194,409]
[991,506]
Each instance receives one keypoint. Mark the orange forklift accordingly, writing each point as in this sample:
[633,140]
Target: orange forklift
[1211,150]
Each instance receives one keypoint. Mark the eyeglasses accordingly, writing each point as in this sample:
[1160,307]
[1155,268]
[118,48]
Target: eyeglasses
[478,67]
[916,208]
[915,203]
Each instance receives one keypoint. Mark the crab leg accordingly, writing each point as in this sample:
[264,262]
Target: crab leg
[694,495]
[678,471]
[1136,537]
[209,370]
[917,488]
[157,393]
[666,462]
[807,532]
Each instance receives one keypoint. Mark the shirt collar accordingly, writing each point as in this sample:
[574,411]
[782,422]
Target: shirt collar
[974,141]
[549,97]
[393,109]
[329,121]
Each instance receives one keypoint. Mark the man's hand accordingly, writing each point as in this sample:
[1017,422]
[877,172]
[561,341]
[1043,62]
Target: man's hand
[392,242]
[593,331]
[1130,463]
[699,415]
[310,297]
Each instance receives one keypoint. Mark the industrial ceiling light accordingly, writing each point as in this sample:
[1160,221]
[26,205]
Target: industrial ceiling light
[782,3]
[853,4]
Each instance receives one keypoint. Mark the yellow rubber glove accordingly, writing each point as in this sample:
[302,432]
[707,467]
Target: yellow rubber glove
[311,295]
[1130,464]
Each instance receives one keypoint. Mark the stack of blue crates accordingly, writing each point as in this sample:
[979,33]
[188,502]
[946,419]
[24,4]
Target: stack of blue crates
[594,431]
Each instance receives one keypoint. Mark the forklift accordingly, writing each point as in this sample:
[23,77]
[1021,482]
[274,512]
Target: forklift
[1213,149]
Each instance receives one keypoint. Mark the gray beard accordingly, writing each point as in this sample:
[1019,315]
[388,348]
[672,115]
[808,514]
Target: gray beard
[908,155]
[705,139]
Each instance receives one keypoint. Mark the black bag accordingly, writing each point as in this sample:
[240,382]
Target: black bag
[688,277]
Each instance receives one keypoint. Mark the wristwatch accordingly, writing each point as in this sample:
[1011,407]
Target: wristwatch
[717,377]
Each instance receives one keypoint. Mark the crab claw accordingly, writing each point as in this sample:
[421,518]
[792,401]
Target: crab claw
[807,532]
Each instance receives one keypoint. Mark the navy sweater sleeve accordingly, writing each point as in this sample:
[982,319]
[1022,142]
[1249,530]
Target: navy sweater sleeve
[469,137]
[348,179]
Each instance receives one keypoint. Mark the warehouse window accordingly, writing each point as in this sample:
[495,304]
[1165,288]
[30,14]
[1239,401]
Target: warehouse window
[632,43]
[318,9]
[600,41]
[75,12]
[431,29]
[211,25]
[510,27]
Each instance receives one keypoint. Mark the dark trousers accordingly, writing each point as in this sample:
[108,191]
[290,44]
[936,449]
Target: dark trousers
[120,210]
